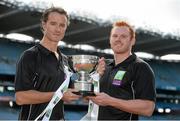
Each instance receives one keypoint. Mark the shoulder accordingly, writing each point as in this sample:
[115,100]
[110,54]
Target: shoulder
[142,66]
[141,63]
[29,54]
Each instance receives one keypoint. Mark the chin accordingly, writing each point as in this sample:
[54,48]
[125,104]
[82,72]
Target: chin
[54,40]
[117,51]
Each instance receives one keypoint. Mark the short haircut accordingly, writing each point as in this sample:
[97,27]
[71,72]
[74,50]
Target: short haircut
[59,10]
[123,23]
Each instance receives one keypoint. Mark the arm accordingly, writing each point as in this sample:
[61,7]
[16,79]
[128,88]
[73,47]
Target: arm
[137,106]
[32,97]
[36,97]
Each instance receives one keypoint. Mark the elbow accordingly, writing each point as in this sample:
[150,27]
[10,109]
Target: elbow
[149,113]
[149,110]
[19,99]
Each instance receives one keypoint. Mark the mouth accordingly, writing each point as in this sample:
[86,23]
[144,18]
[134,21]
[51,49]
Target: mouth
[118,43]
[56,34]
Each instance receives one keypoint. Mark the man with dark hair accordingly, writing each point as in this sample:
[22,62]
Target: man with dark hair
[40,70]
[127,87]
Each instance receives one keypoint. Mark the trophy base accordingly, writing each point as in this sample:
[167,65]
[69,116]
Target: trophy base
[85,93]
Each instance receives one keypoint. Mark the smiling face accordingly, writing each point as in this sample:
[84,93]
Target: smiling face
[121,40]
[55,26]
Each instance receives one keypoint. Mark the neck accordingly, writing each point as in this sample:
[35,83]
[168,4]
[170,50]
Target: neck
[119,58]
[51,46]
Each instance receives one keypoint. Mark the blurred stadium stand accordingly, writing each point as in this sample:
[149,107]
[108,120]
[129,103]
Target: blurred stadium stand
[17,17]
[167,77]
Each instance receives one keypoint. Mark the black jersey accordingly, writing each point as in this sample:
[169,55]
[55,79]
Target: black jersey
[131,79]
[49,74]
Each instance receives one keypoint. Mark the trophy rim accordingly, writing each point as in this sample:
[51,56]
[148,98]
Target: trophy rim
[84,55]
[84,59]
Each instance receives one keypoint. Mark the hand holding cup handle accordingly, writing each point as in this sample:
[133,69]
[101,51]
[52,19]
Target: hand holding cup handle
[101,66]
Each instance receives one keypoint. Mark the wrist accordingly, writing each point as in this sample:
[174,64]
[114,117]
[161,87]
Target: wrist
[110,101]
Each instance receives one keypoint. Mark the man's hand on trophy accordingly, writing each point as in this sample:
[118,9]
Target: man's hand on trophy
[69,96]
[101,66]
[101,99]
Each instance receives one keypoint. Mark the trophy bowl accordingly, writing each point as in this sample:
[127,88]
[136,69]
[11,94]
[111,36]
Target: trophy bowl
[84,65]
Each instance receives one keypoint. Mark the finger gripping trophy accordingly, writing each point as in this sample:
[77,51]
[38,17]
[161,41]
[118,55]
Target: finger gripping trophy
[84,65]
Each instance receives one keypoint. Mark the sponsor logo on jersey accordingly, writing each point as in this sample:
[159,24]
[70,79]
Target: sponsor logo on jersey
[118,78]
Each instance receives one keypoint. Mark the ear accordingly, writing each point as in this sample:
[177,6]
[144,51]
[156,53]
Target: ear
[133,41]
[110,41]
[43,25]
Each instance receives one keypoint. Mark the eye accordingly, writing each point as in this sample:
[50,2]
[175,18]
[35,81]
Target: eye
[124,36]
[114,35]
[62,25]
[53,23]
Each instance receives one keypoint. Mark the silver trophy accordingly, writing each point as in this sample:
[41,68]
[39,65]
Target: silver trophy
[84,65]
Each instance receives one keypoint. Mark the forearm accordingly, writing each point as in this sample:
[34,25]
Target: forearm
[137,106]
[32,97]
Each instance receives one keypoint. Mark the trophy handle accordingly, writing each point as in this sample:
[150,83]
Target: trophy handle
[107,61]
[70,64]
[94,69]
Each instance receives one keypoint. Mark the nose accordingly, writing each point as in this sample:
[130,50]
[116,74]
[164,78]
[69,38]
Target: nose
[58,28]
[118,38]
